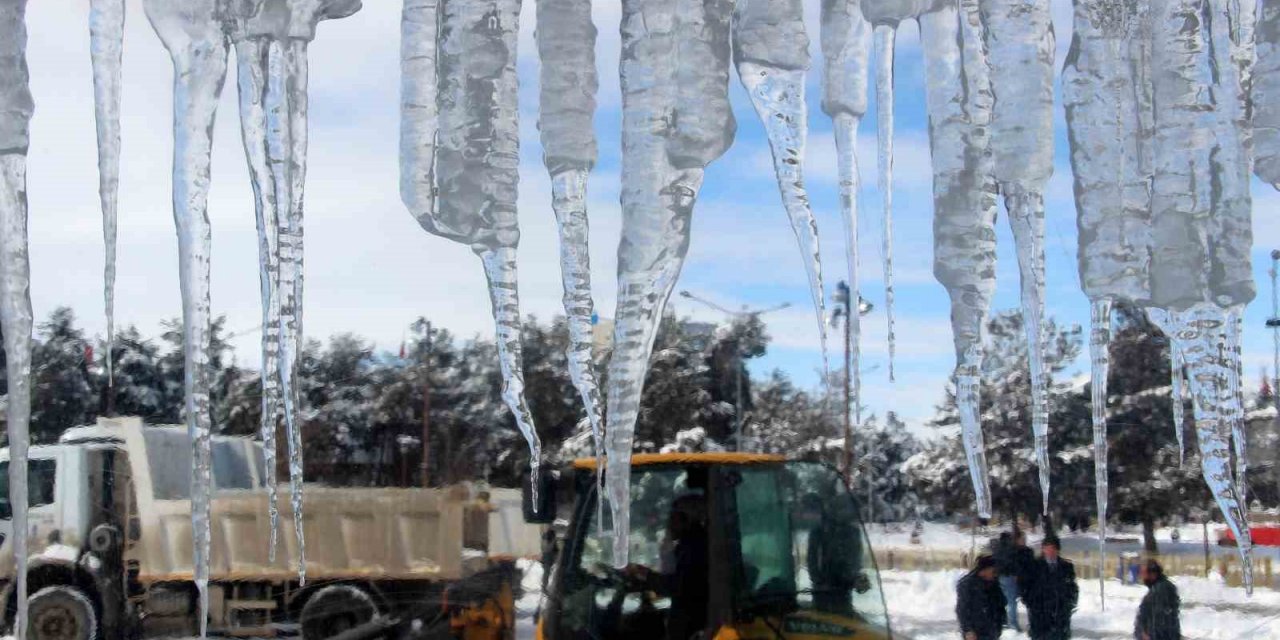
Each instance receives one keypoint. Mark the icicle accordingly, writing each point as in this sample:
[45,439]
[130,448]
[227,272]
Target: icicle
[567,102]
[885,35]
[271,50]
[1020,45]
[771,52]
[1264,91]
[500,273]
[846,49]
[1233,399]
[198,48]
[661,177]
[1178,398]
[286,151]
[958,98]
[15,276]
[106,39]
[253,68]
[1197,333]
[463,187]
[1100,359]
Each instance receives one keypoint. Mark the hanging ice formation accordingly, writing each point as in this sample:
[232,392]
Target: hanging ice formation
[1153,232]
[459,153]
[271,56]
[192,32]
[106,39]
[674,69]
[1020,45]
[1178,397]
[846,48]
[886,36]
[196,35]
[771,52]
[567,101]
[16,108]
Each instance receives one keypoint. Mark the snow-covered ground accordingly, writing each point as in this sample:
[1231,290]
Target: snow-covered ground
[921,607]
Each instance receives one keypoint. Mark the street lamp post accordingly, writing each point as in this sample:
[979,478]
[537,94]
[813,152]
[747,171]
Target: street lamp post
[741,315]
[852,412]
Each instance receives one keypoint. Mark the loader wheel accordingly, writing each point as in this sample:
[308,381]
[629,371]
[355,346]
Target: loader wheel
[61,613]
[334,609]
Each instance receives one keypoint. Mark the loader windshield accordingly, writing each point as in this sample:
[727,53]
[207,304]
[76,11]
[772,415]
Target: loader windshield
[802,546]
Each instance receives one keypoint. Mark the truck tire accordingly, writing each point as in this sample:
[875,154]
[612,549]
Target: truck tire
[61,612]
[334,609]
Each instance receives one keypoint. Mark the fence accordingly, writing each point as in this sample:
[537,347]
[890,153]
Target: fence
[1222,560]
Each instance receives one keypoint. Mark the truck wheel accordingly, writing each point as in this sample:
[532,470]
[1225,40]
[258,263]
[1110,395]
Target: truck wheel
[61,613]
[334,609]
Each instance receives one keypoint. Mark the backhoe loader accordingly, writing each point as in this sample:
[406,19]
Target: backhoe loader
[722,546]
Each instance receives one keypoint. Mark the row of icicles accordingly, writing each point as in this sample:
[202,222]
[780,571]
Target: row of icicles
[1152,230]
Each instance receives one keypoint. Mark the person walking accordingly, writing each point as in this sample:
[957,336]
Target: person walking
[1158,614]
[1013,559]
[1050,592]
[980,606]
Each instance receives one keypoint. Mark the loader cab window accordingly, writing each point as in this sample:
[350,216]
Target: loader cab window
[662,592]
[41,480]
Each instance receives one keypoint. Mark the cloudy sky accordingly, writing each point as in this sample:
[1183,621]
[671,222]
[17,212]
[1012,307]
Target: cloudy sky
[371,269]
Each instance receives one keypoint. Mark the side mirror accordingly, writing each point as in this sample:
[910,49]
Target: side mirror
[543,485]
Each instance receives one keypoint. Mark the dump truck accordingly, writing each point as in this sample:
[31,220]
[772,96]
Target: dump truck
[110,547]
[724,546]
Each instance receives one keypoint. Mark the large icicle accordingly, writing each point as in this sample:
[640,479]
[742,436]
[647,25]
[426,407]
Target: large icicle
[567,103]
[1100,364]
[1020,45]
[662,169]
[885,37]
[16,108]
[771,52]
[271,49]
[106,42]
[1196,332]
[253,60]
[958,97]
[1100,92]
[463,185]
[1264,90]
[846,51]
[1193,219]
[192,33]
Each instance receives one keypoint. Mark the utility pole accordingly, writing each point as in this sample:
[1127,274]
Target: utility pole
[424,370]
[1274,323]
[742,315]
[852,412]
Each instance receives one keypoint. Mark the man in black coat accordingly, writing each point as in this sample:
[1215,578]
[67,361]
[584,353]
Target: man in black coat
[1050,592]
[980,606]
[1158,613]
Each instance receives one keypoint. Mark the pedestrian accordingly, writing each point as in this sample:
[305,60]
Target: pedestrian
[1050,592]
[1158,614]
[1013,559]
[979,603]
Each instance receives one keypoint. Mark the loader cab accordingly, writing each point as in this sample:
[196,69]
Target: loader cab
[722,545]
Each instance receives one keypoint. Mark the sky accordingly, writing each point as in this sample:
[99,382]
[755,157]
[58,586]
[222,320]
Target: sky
[370,269]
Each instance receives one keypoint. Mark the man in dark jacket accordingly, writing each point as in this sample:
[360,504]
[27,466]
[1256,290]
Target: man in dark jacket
[979,604]
[1159,611]
[1049,589]
[1013,561]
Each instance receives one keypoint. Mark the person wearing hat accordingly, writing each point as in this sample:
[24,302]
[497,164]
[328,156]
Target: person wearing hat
[980,606]
[1158,614]
[1050,592]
